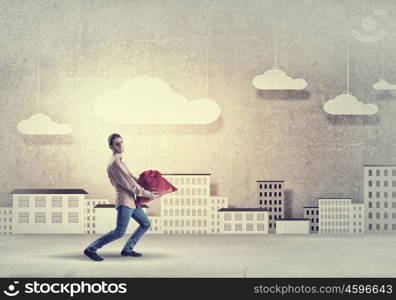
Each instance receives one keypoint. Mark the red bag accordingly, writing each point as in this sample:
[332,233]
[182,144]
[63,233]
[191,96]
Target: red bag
[152,180]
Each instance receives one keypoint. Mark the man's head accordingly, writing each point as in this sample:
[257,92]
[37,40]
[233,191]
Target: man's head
[115,143]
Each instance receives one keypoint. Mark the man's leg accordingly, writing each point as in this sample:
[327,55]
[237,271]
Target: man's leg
[144,224]
[124,213]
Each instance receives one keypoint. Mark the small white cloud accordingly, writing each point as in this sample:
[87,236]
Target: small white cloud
[148,100]
[384,85]
[346,104]
[41,124]
[276,79]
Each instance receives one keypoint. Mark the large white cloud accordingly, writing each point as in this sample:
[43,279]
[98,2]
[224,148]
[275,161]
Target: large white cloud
[384,85]
[41,124]
[276,79]
[346,104]
[148,100]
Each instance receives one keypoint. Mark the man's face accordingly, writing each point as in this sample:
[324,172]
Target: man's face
[117,146]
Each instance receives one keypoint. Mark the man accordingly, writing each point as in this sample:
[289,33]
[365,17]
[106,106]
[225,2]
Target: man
[127,189]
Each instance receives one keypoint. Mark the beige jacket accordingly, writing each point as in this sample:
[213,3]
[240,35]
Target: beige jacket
[127,188]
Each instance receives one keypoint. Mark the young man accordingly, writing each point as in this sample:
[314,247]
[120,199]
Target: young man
[127,189]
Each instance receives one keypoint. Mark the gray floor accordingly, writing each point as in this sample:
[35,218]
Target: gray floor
[202,256]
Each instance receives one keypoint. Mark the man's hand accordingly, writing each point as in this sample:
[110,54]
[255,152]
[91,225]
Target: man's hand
[155,195]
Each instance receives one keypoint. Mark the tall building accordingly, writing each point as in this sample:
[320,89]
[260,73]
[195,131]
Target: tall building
[5,220]
[48,210]
[90,214]
[357,218]
[380,198]
[216,203]
[292,226]
[312,213]
[340,216]
[243,220]
[271,196]
[186,210]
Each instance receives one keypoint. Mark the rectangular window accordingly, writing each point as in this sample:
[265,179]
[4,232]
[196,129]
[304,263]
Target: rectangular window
[370,183]
[249,227]
[73,201]
[238,216]
[23,217]
[227,216]
[238,227]
[227,227]
[40,217]
[370,194]
[249,217]
[23,201]
[393,172]
[57,201]
[260,217]
[56,217]
[260,227]
[40,201]
[73,217]
[377,172]
[385,172]
[377,183]
[307,212]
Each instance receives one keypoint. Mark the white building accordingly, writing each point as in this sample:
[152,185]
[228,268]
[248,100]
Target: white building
[243,220]
[292,226]
[312,213]
[216,203]
[5,220]
[186,211]
[48,210]
[90,214]
[380,198]
[271,196]
[357,218]
[156,224]
[340,216]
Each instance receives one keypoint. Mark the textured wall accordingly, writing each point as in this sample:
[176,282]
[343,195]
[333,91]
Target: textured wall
[201,49]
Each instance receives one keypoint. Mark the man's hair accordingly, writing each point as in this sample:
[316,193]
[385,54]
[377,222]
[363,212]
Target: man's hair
[112,137]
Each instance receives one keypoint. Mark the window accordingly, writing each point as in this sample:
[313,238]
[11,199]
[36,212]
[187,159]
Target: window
[261,186]
[280,186]
[227,216]
[40,201]
[370,215]
[73,217]
[370,226]
[307,212]
[370,183]
[260,217]
[23,217]
[56,201]
[377,172]
[249,217]
[385,172]
[377,183]
[23,201]
[386,183]
[40,217]
[73,201]
[238,227]
[261,202]
[249,227]
[377,205]
[261,194]
[393,172]
[227,227]
[377,226]
[238,216]
[260,227]
[370,204]
[56,217]
[370,194]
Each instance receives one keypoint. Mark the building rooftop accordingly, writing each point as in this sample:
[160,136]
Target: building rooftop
[379,165]
[270,181]
[244,209]
[49,191]
[292,219]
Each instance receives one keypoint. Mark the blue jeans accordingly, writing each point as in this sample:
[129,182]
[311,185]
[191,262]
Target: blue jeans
[124,213]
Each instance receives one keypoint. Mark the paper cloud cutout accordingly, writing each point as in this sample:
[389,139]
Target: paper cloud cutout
[276,79]
[384,85]
[148,100]
[41,124]
[346,104]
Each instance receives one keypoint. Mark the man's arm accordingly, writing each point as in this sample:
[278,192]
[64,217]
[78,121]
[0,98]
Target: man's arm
[124,179]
